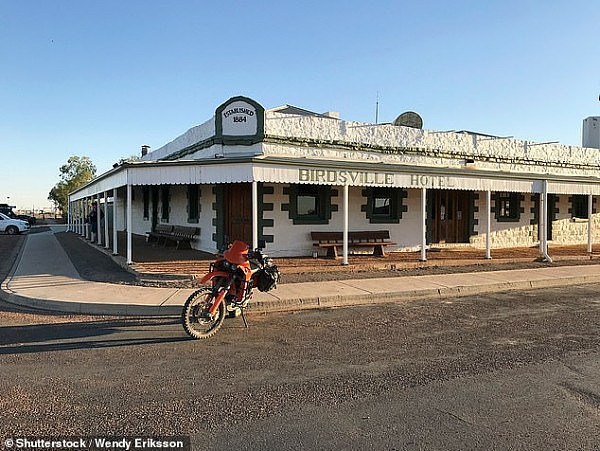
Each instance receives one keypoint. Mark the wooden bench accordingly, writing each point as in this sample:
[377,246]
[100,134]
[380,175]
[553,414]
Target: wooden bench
[161,231]
[182,236]
[376,239]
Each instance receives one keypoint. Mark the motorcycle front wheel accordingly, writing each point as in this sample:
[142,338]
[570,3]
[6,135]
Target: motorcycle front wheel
[195,318]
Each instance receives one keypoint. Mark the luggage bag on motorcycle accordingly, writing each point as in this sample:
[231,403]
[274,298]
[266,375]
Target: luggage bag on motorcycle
[267,278]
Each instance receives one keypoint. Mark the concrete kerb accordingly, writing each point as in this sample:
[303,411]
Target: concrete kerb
[316,302]
[272,302]
[306,303]
[84,308]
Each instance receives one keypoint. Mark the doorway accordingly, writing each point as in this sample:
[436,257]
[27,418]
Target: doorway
[449,212]
[238,212]
[552,200]
[154,203]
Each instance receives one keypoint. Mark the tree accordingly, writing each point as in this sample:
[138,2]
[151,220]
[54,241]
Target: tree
[77,172]
[129,159]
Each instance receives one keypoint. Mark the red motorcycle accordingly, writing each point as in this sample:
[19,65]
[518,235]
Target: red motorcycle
[227,288]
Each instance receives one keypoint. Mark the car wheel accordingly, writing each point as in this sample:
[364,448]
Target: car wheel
[12,230]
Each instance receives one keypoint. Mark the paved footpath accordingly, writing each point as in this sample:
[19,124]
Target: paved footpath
[45,278]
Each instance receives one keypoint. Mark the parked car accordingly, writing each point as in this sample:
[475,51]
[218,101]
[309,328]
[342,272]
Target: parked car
[26,218]
[7,210]
[12,226]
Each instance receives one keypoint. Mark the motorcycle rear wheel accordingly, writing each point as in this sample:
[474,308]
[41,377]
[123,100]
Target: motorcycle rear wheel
[194,316]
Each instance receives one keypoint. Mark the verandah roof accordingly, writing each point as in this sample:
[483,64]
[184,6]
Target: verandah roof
[338,173]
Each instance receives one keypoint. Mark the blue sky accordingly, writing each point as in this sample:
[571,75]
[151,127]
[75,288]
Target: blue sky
[101,78]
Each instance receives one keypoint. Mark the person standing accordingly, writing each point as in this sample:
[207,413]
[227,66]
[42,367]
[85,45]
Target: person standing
[93,221]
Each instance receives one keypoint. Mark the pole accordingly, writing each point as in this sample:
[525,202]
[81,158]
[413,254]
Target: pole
[98,224]
[377,109]
[106,240]
[254,214]
[345,235]
[542,221]
[488,225]
[115,249]
[86,209]
[81,217]
[590,223]
[544,218]
[423,224]
[129,247]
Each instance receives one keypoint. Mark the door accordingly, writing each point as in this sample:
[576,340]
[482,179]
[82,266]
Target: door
[450,212]
[154,202]
[238,212]
[552,199]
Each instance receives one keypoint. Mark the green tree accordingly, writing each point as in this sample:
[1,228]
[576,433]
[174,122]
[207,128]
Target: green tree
[77,172]
[129,159]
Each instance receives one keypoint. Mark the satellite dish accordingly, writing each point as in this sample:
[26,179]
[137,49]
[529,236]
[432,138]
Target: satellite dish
[409,119]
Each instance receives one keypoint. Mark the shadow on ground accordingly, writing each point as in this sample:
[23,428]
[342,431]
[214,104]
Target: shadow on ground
[20,339]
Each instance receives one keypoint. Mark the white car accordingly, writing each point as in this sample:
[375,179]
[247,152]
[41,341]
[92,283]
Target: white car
[12,226]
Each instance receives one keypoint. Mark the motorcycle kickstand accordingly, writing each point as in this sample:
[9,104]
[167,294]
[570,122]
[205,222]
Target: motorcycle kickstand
[244,318]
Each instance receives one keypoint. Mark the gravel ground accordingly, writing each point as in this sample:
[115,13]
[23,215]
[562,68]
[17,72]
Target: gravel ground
[352,378]
[93,264]
[135,376]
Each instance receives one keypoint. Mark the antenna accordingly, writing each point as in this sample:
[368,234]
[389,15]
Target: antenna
[377,109]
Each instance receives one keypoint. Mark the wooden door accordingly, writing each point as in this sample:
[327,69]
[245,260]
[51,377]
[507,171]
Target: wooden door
[154,202]
[238,212]
[449,216]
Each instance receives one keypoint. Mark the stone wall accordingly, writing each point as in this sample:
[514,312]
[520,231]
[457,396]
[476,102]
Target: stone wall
[325,138]
[565,229]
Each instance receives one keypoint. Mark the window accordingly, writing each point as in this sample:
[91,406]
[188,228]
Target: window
[508,207]
[164,197]
[381,203]
[579,206]
[384,205]
[310,204]
[193,196]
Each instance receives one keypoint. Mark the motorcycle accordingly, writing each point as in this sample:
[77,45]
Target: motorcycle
[227,288]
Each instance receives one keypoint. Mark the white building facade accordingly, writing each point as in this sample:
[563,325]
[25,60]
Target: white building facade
[272,177]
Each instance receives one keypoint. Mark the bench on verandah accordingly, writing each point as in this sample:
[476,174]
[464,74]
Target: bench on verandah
[377,239]
[182,236]
[161,231]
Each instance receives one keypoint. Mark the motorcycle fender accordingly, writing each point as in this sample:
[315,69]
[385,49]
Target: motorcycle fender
[212,275]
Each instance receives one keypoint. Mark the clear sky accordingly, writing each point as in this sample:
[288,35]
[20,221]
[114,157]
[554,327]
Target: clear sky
[101,78]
